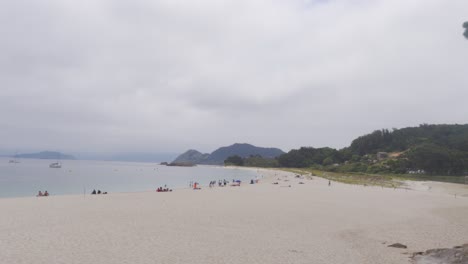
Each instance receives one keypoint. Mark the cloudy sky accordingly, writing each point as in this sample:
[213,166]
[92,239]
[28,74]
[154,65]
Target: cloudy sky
[168,75]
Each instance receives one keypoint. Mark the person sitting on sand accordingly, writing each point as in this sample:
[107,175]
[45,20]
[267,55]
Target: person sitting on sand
[99,192]
[40,194]
[94,192]
[46,193]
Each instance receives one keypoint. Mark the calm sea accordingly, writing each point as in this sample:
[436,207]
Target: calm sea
[77,176]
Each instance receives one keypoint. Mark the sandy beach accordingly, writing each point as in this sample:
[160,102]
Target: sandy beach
[259,223]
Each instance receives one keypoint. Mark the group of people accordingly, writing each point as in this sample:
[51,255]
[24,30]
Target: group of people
[42,194]
[221,183]
[165,189]
[98,192]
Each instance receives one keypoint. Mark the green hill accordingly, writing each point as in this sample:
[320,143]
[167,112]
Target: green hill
[218,156]
[427,149]
[191,156]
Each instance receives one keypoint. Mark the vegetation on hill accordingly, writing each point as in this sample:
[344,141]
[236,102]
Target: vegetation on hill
[234,160]
[242,150]
[465,25]
[427,149]
[218,156]
[422,150]
[251,161]
[191,157]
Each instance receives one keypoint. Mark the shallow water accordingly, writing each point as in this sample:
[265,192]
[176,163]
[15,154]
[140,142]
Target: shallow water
[78,176]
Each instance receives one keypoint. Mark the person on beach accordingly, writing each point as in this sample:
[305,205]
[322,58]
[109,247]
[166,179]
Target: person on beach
[40,194]
[94,192]
[329,183]
[99,192]
[46,193]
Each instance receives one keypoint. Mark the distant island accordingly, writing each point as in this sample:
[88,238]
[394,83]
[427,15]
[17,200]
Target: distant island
[46,155]
[218,156]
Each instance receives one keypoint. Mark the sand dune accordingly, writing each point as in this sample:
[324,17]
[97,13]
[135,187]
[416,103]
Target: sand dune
[261,223]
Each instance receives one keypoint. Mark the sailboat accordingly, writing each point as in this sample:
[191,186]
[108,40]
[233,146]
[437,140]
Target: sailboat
[56,165]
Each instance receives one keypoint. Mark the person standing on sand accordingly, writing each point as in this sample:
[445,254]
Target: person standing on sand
[329,183]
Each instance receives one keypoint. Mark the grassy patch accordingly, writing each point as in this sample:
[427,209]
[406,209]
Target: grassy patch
[351,178]
[385,180]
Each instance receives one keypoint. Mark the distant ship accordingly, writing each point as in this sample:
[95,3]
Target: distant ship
[14,159]
[55,165]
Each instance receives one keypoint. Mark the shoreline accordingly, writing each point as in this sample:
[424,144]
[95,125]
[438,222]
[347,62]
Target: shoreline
[213,172]
[458,189]
[132,192]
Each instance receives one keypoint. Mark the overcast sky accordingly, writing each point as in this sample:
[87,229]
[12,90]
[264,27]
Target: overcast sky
[168,75]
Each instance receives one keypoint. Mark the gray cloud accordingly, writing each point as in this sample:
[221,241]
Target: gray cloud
[171,75]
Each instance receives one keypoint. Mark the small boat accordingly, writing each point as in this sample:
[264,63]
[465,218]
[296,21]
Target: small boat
[14,159]
[55,165]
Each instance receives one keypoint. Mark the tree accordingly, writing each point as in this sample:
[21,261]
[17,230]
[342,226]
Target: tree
[465,25]
[234,160]
[327,161]
[431,158]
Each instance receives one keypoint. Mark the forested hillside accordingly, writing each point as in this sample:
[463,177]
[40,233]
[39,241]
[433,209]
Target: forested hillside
[427,149]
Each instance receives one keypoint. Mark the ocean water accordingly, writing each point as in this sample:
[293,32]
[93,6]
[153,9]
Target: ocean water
[78,176]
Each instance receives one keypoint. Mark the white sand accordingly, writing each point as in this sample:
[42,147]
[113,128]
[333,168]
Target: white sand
[262,223]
